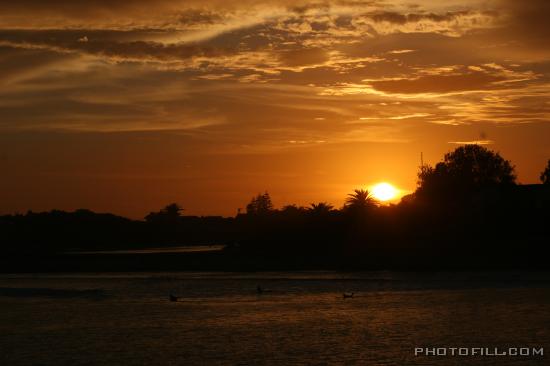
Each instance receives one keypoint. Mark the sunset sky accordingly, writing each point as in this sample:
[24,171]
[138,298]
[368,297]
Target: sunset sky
[124,106]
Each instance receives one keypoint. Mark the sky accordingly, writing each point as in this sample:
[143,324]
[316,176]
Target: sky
[124,106]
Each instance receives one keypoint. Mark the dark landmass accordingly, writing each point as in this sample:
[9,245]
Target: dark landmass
[467,213]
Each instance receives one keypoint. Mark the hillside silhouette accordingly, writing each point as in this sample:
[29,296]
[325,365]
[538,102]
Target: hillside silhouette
[468,211]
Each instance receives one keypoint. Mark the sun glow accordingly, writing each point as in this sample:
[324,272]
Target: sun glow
[384,191]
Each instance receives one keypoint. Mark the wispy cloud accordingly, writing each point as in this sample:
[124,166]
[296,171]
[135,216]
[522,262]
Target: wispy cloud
[473,142]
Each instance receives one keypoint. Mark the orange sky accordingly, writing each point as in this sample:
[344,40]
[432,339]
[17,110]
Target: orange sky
[123,107]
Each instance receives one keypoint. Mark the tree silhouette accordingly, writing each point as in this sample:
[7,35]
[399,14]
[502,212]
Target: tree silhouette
[360,199]
[292,210]
[172,210]
[466,169]
[321,208]
[260,205]
[473,214]
[545,175]
[170,213]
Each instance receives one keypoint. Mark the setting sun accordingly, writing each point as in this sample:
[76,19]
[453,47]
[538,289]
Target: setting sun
[384,191]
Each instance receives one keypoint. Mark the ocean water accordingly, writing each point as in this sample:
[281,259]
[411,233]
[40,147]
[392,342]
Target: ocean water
[303,319]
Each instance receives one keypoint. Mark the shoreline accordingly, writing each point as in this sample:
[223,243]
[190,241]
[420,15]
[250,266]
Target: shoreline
[222,261]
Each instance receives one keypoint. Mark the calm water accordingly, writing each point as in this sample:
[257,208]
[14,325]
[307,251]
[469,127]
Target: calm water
[126,319]
[184,249]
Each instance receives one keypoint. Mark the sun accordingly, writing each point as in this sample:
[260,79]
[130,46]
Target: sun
[384,191]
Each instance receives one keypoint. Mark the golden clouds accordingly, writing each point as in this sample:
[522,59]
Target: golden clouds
[304,57]
[212,67]
[438,83]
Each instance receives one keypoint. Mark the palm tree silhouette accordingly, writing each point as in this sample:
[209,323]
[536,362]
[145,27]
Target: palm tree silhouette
[360,199]
[321,208]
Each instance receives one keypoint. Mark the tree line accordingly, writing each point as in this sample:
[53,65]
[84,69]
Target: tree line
[467,210]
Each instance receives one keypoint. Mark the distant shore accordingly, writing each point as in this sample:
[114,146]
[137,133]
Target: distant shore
[219,260]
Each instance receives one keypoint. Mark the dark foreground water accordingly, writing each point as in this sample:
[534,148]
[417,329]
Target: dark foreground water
[126,319]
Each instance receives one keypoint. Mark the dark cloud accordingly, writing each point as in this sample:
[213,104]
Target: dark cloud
[320,26]
[112,44]
[68,36]
[15,63]
[344,21]
[399,18]
[527,20]
[305,7]
[304,57]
